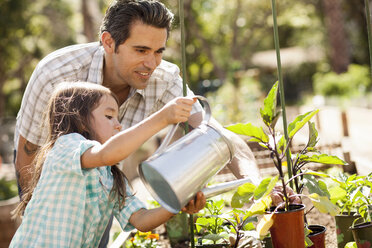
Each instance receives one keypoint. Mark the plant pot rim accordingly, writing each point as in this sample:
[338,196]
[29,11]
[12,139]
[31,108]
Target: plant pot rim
[348,214]
[316,232]
[361,225]
[297,207]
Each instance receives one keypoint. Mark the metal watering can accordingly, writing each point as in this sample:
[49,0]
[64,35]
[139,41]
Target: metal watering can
[175,173]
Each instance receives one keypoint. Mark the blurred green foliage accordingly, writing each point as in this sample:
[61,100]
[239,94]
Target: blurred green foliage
[353,83]
[221,38]
[8,189]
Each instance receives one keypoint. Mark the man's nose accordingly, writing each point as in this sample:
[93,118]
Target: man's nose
[150,61]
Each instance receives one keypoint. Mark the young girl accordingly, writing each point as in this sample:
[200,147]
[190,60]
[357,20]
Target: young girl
[76,185]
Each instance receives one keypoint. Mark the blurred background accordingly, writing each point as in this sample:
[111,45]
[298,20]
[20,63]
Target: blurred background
[230,59]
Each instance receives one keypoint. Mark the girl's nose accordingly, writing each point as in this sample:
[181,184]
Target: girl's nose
[117,125]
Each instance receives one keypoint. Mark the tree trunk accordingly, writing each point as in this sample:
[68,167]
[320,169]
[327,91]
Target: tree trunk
[92,18]
[338,42]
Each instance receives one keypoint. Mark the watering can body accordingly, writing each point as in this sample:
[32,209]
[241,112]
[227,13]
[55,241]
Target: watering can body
[176,172]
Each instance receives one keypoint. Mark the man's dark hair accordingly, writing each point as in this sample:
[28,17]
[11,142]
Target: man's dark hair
[121,14]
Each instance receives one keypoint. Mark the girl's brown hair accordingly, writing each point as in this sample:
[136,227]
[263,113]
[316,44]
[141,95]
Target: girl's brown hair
[69,111]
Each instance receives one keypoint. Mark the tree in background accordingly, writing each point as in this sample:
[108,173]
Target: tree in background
[29,30]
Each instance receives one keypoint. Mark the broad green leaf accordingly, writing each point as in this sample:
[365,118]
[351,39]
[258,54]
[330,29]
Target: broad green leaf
[322,159]
[351,245]
[237,201]
[337,194]
[323,204]
[265,224]
[260,206]
[316,173]
[313,135]
[249,130]
[243,195]
[265,187]
[299,122]
[268,112]
[315,185]
[214,237]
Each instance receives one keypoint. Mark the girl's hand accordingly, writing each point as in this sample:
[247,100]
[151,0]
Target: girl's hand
[196,205]
[177,110]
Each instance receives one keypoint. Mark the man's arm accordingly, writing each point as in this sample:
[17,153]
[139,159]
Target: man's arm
[26,152]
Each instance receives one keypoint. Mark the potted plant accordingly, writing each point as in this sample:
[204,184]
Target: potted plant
[346,193]
[353,194]
[278,146]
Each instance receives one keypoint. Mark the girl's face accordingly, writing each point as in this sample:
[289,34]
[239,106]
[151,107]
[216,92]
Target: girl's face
[104,119]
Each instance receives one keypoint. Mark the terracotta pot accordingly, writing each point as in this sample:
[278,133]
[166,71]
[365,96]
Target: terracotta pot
[343,223]
[317,236]
[362,234]
[288,228]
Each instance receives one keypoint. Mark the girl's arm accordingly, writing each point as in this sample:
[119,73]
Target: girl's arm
[126,142]
[146,220]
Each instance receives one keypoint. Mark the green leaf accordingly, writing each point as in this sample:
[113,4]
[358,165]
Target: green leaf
[299,122]
[323,204]
[351,245]
[337,194]
[249,130]
[281,145]
[313,135]
[265,187]
[260,206]
[213,237]
[322,159]
[268,112]
[315,185]
[243,195]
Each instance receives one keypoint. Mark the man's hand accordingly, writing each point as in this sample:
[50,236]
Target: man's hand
[277,196]
[196,205]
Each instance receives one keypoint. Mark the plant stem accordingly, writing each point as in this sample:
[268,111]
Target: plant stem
[281,87]
[183,50]
[368,18]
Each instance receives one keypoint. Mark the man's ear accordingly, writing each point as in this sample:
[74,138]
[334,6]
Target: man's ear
[108,42]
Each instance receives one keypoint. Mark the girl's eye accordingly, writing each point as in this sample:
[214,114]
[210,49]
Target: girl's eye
[108,117]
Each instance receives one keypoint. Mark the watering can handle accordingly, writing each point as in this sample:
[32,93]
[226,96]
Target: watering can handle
[170,134]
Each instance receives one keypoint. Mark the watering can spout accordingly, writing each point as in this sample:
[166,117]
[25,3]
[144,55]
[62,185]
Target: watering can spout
[224,187]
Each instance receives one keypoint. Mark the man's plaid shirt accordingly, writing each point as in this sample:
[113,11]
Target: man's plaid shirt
[84,62]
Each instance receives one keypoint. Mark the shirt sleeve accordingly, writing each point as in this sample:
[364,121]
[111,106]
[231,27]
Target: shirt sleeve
[132,204]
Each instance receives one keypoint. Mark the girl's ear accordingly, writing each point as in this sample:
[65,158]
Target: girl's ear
[108,42]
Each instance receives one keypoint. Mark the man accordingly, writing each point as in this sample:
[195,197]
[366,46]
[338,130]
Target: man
[128,60]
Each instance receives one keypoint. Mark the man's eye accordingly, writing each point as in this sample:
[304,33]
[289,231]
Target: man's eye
[141,51]
[109,117]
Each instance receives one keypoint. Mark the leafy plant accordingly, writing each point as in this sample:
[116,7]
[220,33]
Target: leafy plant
[353,194]
[210,224]
[278,146]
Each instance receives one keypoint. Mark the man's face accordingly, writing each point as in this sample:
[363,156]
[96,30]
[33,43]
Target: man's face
[137,58]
